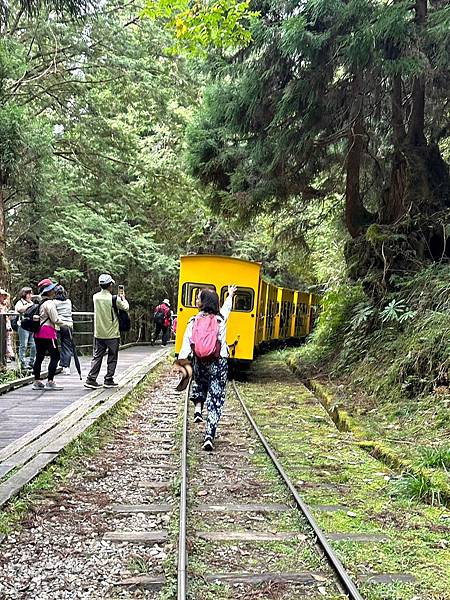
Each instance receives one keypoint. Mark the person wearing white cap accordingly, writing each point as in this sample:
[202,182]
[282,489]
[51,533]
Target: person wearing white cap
[162,317]
[106,332]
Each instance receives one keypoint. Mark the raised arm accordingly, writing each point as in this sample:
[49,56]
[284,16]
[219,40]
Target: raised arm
[228,304]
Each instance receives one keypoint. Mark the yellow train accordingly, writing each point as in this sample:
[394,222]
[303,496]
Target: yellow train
[262,312]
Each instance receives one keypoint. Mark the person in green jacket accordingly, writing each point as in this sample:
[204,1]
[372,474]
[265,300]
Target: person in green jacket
[106,332]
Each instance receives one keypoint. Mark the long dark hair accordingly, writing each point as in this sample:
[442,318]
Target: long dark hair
[210,301]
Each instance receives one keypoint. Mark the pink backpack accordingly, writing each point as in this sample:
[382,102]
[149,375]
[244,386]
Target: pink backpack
[205,337]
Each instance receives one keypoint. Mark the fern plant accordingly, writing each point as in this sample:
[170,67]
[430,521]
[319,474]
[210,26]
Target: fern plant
[397,311]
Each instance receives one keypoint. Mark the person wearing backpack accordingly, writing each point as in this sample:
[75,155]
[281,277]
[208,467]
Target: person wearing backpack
[26,340]
[106,331]
[65,334]
[162,317]
[206,339]
[45,335]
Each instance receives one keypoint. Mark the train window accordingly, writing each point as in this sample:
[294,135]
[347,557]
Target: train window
[243,299]
[190,290]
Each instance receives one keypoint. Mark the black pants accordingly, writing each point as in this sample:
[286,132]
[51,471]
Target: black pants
[65,338]
[44,346]
[165,333]
[101,347]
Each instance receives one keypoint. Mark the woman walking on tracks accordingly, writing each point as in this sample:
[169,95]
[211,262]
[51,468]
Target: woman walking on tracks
[205,339]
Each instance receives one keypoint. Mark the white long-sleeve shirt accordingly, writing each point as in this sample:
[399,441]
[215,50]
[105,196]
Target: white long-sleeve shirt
[222,337]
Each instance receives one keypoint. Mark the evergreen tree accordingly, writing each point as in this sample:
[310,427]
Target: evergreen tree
[337,87]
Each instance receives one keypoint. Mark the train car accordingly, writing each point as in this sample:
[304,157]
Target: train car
[216,273]
[262,313]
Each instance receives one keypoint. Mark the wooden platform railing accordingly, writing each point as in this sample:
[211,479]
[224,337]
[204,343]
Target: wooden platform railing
[142,328]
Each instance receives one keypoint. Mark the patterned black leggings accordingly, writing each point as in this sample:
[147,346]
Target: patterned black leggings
[209,385]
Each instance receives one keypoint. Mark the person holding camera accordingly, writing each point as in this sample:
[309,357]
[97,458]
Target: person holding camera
[106,331]
[26,340]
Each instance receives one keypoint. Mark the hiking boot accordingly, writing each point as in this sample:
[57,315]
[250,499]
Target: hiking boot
[93,385]
[198,417]
[52,386]
[110,383]
[208,444]
[38,385]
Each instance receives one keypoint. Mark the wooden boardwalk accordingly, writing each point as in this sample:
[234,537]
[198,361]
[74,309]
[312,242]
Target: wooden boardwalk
[23,409]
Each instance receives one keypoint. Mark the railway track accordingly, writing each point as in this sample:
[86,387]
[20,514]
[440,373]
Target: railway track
[230,521]
[219,490]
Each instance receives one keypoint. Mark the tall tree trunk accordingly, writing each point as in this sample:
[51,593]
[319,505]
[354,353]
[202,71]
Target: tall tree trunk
[416,132]
[357,217]
[398,123]
[3,262]
[419,182]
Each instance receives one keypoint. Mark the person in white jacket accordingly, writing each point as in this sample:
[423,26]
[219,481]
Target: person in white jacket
[210,375]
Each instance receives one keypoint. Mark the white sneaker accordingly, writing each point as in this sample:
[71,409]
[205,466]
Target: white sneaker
[66,371]
[38,385]
[51,385]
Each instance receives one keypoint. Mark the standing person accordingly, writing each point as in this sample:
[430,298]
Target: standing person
[4,308]
[65,334]
[205,337]
[46,338]
[26,340]
[162,317]
[106,332]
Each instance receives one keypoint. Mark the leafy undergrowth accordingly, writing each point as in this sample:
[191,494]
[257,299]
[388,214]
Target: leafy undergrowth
[329,468]
[387,365]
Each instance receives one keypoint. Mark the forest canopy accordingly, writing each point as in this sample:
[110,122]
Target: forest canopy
[347,98]
[296,133]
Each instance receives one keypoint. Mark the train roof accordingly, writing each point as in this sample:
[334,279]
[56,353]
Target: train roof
[251,262]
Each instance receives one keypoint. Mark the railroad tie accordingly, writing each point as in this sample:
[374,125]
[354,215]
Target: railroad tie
[145,582]
[152,509]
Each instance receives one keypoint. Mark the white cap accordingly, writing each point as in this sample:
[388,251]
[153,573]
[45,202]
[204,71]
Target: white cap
[105,279]
[166,301]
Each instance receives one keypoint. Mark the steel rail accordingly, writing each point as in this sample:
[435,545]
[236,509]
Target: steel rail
[182,553]
[344,579]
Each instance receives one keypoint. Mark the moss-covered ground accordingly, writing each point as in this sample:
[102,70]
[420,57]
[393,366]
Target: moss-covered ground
[386,361]
[329,468]
[240,472]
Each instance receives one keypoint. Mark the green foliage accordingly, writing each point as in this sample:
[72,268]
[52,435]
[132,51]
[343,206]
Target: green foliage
[24,150]
[330,329]
[362,314]
[396,350]
[123,246]
[435,457]
[275,127]
[396,311]
[199,24]
[101,164]
[417,488]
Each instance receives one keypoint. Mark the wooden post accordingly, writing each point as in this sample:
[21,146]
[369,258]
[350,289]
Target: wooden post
[2,342]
